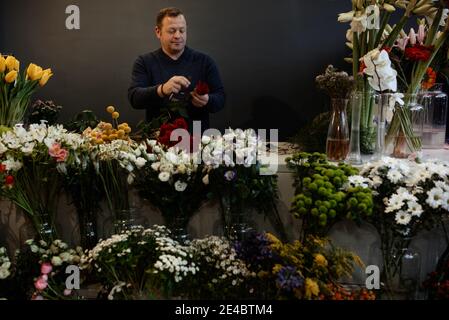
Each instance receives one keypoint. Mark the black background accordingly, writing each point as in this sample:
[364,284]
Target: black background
[268,53]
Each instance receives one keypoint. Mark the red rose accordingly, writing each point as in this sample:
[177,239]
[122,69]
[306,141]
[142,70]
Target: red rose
[166,127]
[418,53]
[202,88]
[2,168]
[180,123]
[9,180]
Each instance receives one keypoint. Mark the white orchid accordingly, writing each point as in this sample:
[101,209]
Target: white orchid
[378,68]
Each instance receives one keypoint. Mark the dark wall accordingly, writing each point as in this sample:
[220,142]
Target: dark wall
[268,52]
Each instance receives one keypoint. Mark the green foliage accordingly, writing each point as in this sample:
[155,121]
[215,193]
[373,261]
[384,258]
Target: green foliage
[81,121]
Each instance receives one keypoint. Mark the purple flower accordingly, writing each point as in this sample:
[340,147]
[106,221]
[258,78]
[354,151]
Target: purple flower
[288,279]
[230,175]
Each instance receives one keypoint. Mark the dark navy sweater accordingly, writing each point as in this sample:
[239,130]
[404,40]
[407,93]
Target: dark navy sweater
[154,68]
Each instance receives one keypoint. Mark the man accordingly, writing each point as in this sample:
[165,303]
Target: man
[172,73]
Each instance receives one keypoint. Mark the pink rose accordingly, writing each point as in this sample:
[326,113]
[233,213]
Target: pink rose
[46,268]
[57,152]
[40,284]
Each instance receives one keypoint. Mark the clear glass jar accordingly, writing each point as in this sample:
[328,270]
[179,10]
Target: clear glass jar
[435,116]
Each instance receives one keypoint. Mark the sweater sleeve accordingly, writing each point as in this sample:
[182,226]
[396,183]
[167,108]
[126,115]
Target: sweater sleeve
[141,94]
[217,95]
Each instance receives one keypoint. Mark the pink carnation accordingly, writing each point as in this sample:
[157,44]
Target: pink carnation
[40,284]
[46,268]
[58,153]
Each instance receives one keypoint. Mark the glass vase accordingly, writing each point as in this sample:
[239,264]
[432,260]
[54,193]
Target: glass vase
[337,142]
[405,119]
[435,114]
[45,227]
[354,157]
[235,216]
[177,221]
[88,229]
[368,119]
[401,270]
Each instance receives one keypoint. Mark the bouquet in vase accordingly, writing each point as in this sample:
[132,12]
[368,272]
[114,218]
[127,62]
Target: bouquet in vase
[17,88]
[173,181]
[409,197]
[32,163]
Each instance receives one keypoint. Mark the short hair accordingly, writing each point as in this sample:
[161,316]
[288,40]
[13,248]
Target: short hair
[167,12]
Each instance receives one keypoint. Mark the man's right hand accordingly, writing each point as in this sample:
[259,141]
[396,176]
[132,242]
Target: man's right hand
[174,85]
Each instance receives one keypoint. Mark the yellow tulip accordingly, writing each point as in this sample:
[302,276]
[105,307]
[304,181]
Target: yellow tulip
[11,76]
[46,75]
[2,64]
[34,72]
[12,63]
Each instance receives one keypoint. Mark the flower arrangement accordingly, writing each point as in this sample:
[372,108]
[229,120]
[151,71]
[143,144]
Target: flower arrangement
[370,30]
[308,270]
[17,88]
[326,193]
[173,181]
[409,197]
[32,161]
[140,263]
[40,270]
[221,274]
[115,157]
[235,172]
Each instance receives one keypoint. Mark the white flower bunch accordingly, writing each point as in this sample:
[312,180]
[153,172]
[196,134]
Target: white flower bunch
[5,264]
[174,166]
[381,76]
[174,258]
[235,147]
[218,260]
[56,252]
[414,186]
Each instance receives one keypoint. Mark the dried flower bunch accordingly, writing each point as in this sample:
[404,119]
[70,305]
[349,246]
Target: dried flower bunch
[337,84]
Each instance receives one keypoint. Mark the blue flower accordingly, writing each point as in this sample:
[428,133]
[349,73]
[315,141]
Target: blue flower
[288,279]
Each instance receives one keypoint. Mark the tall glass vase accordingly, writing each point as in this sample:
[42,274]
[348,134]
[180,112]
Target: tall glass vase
[235,216]
[337,143]
[177,221]
[354,157]
[405,119]
[435,115]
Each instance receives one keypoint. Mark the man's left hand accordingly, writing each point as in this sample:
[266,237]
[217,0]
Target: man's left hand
[198,100]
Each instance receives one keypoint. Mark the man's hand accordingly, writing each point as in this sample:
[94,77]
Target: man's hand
[199,101]
[174,85]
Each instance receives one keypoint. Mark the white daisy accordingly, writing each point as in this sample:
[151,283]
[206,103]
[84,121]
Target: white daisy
[403,217]
[414,208]
[395,202]
[394,176]
[435,197]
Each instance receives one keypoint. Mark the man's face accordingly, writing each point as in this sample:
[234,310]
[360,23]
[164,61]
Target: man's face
[173,34]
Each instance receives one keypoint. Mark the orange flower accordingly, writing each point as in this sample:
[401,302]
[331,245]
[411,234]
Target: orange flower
[429,79]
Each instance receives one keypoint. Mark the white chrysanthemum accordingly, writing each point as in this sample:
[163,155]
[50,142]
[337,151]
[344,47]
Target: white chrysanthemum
[414,208]
[394,175]
[403,217]
[435,197]
[395,202]
[358,181]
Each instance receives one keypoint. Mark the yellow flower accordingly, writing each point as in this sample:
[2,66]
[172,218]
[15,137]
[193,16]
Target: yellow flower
[34,72]
[277,267]
[113,136]
[12,63]
[312,288]
[2,64]
[108,126]
[110,109]
[320,260]
[115,115]
[99,141]
[120,133]
[127,129]
[11,76]
[47,74]
[272,238]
